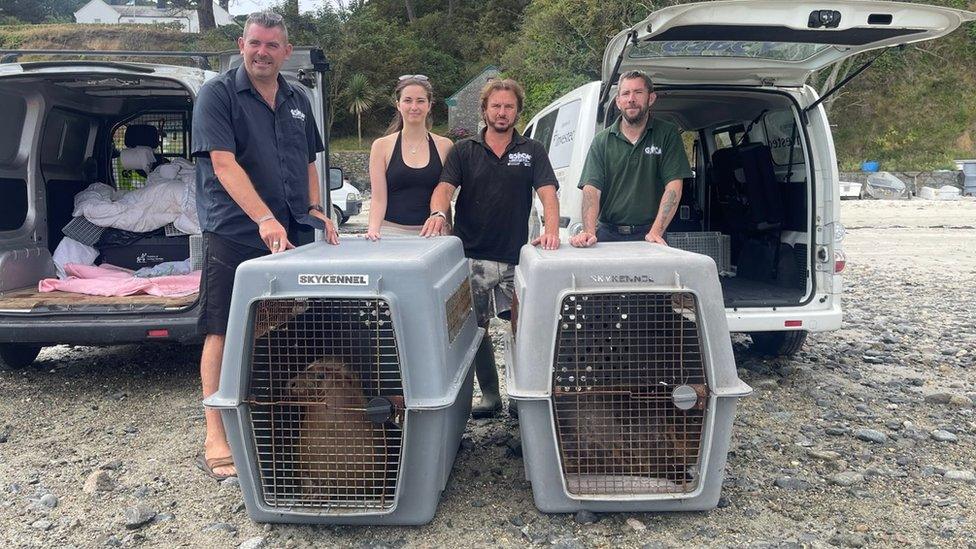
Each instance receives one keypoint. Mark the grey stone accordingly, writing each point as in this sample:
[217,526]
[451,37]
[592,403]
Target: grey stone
[111,465]
[723,502]
[825,455]
[960,476]
[138,516]
[478,503]
[231,482]
[636,525]
[871,435]
[586,517]
[938,398]
[49,500]
[99,481]
[837,431]
[847,478]
[42,524]
[939,435]
[257,542]
[220,527]
[791,483]
[848,540]
[961,401]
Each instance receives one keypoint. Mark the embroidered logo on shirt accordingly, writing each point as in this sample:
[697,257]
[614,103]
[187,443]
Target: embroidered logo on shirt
[653,149]
[520,159]
[298,114]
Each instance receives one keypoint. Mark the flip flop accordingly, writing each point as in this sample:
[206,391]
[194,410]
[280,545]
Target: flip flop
[208,465]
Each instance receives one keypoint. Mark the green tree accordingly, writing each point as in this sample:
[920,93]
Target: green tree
[40,11]
[360,97]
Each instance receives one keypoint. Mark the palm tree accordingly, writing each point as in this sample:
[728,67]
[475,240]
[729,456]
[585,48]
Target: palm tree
[361,98]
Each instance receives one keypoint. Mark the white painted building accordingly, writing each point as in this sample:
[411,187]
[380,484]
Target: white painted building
[100,12]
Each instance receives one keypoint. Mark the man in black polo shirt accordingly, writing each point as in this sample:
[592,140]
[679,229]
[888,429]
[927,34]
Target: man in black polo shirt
[255,140]
[496,172]
[631,180]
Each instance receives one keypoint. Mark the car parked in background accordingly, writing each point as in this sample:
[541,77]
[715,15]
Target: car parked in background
[346,201]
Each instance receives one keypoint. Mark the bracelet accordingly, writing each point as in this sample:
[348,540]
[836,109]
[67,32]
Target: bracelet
[264,218]
[316,207]
[439,214]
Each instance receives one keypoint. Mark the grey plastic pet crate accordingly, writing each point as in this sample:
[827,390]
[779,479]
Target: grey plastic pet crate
[346,379]
[623,372]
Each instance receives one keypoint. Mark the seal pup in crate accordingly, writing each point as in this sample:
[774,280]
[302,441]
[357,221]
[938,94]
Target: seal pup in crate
[338,452]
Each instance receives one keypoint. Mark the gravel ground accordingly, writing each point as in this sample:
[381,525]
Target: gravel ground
[866,438]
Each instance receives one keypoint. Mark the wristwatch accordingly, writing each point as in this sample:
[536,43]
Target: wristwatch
[316,207]
[439,214]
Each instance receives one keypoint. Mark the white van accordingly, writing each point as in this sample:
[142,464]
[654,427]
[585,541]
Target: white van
[69,123]
[731,75]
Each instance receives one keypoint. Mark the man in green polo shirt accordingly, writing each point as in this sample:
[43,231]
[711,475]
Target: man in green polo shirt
[631,180]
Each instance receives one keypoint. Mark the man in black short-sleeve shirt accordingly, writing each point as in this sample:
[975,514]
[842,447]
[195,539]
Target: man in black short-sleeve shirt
[496,172]
[255,141]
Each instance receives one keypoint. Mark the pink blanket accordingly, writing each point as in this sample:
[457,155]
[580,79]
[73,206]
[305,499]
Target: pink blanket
[109,280]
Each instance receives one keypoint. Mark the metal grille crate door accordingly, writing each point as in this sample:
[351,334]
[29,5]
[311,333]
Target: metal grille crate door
[346,380]
[623,371]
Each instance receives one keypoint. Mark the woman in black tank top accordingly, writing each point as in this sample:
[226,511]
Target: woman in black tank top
[405,164]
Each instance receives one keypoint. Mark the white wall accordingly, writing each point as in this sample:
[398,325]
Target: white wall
[97,11]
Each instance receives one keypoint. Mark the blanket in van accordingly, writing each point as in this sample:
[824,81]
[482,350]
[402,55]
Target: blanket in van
[168,197]
[109,280]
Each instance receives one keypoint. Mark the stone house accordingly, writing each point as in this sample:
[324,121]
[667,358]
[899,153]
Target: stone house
[464,107]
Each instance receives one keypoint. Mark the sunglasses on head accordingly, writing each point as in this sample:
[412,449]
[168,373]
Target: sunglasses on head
[413,77]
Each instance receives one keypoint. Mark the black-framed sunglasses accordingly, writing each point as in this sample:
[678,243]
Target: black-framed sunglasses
[412,76]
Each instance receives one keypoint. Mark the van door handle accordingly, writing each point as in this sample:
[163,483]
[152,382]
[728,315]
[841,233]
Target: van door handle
[563,222]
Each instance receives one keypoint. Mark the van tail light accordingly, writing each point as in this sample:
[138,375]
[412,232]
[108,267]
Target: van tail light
[157,334]
[840,261]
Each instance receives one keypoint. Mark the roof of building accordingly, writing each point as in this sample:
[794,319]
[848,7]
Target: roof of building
[450,99]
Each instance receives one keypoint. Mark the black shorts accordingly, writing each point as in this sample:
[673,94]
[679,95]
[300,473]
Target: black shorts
[220,260]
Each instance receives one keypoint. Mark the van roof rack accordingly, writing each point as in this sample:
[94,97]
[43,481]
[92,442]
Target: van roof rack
[201,58]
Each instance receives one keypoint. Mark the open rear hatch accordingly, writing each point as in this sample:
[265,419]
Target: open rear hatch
[766,42]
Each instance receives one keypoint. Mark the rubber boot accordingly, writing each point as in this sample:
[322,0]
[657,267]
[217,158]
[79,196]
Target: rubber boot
[487,373]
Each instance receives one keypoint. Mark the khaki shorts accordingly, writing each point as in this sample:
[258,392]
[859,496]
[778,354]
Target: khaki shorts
[395,229]
[492,287]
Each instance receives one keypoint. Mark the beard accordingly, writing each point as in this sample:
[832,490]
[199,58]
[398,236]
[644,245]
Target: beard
[637,119]
[499,126]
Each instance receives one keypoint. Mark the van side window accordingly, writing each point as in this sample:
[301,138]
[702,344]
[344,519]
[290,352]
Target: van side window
[557,133]
[727,136]
[781,133]
[544,128]
[173,128]
[528,131]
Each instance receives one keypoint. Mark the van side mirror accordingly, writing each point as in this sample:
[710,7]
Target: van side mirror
[335,178]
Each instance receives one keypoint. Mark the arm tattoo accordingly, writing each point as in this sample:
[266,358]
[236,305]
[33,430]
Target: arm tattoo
[668,203]
[591,205]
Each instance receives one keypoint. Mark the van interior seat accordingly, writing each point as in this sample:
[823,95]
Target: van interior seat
[744,175]
[141,141]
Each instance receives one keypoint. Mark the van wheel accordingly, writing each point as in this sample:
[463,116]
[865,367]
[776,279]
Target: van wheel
[338,218]
[15,356]
[785,344]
